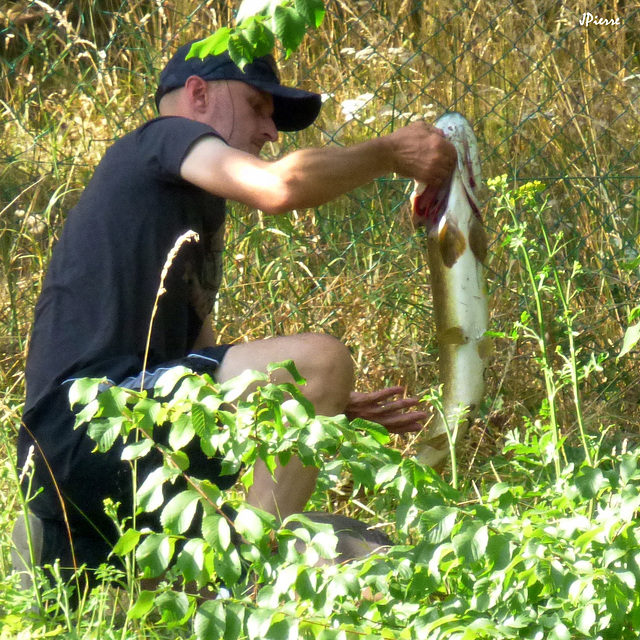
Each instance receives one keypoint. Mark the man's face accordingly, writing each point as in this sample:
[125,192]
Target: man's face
[242,114]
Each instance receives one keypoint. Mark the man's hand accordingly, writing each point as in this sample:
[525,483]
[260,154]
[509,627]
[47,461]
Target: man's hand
[387,410]
[422,152]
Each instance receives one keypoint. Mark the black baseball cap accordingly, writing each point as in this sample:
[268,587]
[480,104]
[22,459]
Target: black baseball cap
[293,109]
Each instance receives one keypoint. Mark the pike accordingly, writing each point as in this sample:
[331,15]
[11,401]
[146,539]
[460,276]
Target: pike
[457,248]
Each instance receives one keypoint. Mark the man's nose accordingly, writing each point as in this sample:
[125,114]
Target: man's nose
[270,130]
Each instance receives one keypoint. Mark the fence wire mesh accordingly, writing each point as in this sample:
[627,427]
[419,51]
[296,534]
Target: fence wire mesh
[552,96]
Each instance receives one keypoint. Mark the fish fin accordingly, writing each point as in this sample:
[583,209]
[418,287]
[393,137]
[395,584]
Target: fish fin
[452,335]
[478,240]
[452,243]
[485,347]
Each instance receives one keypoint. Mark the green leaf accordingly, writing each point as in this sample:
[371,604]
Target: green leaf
[213,45]
[190,561]
[209,622]
[290,27]
[290,367]
[233,389]
[437,523]
[631,338]
[258,623]
[224,534]
[199,420]
[589,482]
[84,390]
[113,401]
[149,496]
[154,554]
[235,618]
[375,430]
[87,414]
[470,545]
[499,551]
[167,382]
[296,413]
[249,525]
[127,542]
[629,506]
[147,410]
[137,449]
[628,468]
[387,473]
[228,567]
[618,600]
[216,532]
[143,605]
[285,629]
[181,432]
[498,489]
[105,432]
[180,511]
[212,495]
[312,10]
[261,38]
[174,606]
[559,632]
[180,459]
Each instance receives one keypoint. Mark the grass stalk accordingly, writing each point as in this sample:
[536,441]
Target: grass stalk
[565,297]
[535,283]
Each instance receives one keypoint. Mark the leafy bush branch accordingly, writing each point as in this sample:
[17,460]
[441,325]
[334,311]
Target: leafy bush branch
[258,24]
[535,555]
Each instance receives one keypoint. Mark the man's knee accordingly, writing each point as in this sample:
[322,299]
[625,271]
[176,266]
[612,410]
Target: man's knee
[330,355]
[321,359]
[328,368]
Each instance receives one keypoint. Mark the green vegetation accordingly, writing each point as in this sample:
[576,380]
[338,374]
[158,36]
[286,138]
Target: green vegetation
[540,538]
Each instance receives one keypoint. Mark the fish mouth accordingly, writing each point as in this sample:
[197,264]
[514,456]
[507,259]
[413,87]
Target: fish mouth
[429,206]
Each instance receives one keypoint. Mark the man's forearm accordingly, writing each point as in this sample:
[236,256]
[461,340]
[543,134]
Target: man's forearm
[311,177]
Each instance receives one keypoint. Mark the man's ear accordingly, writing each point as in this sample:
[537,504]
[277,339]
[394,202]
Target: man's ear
[197,94]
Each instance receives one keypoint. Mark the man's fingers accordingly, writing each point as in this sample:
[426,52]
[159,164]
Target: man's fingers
[369,397]
[395,406]
[397,415]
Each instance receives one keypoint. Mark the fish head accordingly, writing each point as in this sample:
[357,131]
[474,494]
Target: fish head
[429,203]
[458,131]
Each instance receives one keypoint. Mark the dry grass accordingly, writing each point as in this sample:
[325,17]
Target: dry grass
[550,100]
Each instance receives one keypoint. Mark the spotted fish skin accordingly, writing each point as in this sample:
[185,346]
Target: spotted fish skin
[456,248]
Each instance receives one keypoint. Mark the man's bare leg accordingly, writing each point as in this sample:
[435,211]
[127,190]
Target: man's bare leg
[326,365]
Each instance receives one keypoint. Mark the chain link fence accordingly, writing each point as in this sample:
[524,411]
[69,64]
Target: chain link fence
[553,91]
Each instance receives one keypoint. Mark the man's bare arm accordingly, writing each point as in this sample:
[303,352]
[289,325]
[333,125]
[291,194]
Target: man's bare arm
[311,177]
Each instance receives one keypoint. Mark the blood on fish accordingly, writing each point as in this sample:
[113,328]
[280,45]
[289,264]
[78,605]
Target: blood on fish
[429,206]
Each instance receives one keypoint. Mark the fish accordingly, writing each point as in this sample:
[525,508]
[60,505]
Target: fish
[457,250]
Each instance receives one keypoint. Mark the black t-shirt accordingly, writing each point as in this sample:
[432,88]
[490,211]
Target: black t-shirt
[94,311]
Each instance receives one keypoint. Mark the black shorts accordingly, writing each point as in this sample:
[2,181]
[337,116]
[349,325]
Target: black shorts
[95,477]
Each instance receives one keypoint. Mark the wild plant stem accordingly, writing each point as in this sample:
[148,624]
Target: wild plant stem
[565,298]
[550,386]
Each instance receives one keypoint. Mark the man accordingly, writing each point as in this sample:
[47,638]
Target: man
[171,175]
